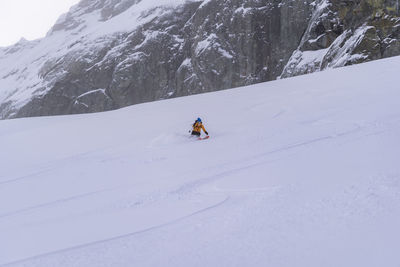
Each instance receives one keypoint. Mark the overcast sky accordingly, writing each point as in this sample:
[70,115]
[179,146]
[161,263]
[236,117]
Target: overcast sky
[30,19]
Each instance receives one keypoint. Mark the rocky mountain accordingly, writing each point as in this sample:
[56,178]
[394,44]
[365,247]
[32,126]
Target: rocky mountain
[342,33]
[107,54]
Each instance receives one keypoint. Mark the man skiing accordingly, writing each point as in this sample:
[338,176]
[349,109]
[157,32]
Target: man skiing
[197,126]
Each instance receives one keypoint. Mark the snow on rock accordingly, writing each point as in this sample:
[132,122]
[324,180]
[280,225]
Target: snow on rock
[340,35]
[134,49]
[76,41]
[304,62]
[343,52]
[211,42]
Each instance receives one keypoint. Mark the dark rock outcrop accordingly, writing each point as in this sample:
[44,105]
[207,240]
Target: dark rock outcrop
[343,33]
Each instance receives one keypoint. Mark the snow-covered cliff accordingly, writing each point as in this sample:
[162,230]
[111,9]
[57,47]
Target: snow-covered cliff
[107,54]
[343,33]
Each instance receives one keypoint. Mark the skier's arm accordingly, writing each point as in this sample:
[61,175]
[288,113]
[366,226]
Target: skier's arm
[204,129]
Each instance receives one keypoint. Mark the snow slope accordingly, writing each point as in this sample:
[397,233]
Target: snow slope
[297,172]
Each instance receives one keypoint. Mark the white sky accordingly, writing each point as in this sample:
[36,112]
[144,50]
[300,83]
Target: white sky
[30,19]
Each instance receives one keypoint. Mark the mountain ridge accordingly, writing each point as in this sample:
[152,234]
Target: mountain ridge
[108,54]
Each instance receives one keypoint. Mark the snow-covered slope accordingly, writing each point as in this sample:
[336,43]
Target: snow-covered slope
[298,172]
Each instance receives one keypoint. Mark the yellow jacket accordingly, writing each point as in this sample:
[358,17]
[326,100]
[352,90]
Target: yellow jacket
[198,126]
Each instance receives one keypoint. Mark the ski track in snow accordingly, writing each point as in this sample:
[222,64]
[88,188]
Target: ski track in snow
[48,204]
[122,236]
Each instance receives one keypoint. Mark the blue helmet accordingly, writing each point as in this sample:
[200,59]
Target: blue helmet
[198,120]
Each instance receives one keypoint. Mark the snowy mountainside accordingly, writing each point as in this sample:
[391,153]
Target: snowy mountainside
[107,54]
[44,75]
[342,33]
[297,172]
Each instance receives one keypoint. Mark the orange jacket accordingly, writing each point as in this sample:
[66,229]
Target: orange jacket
[198,126]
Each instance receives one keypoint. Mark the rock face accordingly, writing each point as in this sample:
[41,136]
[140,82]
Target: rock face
[343,33]
[107,54]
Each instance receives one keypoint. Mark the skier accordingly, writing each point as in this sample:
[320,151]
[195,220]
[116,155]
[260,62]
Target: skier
[197,126]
